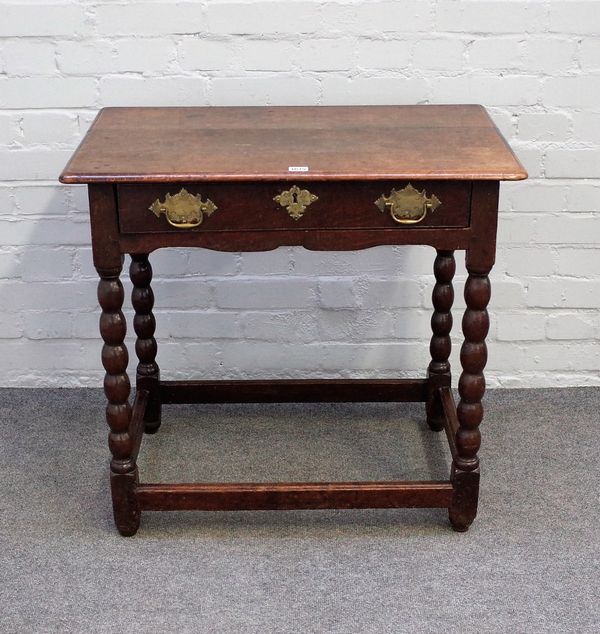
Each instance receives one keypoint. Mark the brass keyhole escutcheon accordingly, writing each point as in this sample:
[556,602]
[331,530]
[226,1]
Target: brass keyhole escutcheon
[295,200]
[408,206]
[183,210]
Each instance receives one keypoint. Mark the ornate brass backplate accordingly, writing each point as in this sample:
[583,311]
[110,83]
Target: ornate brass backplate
[295,200]
[408,206]
[183,210]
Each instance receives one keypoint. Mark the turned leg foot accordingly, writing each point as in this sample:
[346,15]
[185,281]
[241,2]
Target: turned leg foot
[144,324]
[438,373]
[124,474]
[471,387]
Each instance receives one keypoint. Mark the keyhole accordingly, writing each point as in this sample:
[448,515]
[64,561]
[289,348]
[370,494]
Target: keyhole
[294,197]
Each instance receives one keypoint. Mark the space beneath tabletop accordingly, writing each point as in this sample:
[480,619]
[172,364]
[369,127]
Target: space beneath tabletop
[292,143]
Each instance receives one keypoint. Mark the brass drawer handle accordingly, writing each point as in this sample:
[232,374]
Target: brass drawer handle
[408,206]
[295,200]
[183,210]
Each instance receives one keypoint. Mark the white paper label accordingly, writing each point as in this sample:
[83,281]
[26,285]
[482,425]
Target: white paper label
[298,168]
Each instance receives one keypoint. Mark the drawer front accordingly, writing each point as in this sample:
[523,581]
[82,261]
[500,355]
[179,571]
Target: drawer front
[158,207]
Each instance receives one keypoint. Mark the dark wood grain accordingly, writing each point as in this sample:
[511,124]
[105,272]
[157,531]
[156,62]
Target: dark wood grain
[238,157]
[256,144]
[450,419]
[473,356]
[293,495]
[318,240]
[294,391]
[251,206]
[144,324]
[438,372]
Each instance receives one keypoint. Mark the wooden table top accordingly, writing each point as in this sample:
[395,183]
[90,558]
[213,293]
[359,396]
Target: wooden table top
[445,142]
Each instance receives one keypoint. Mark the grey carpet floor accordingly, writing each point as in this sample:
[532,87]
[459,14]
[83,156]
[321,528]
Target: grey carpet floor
[530,562]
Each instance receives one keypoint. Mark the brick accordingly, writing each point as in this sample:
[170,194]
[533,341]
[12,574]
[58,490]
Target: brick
[380,54]
[409,16]
[153,91]
[388,294]
[83,266]
[36,164]
[495,53]
[516,229]
[11,327]
[567,326]
[9,129]
[296,325]
[337,294]
[47,324]
[40,200]
[43,19]
[506,294]
[46,264]
[574,17]
[439,54]
[262,17]
[202,54]
[562,163]
[544,126]
[367,357]
[514,90]
[477,16]
[586,127]
[530,261]
[150,18]
[354,325]
[504,120]
[51,356]
[521,326]
[77,199]
[9,264]
[550,55]
[373,90]
[530,157]
[25,296]
[202,325]
[326,55]
[578,91]
[536,196]
[260,89]
[379,261]
[207,262]
[408,324]
[589,54]
[264,294]
[576,229]
[584,197]
[577,262]
[275,262]
[167,262]
[43,231]
[181,293]
[564,293]
[47,92]
[266,55]
[41,127]
[95,58]
[86,326]
[280,357]
[29,57]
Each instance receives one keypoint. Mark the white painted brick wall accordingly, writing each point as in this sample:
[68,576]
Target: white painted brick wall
[290,312]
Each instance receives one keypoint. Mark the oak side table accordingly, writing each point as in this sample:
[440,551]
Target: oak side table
[325,178]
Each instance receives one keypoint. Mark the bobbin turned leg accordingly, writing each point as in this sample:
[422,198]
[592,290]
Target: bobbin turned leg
[438,373]
[144,324]
[471,387]
[123,469]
